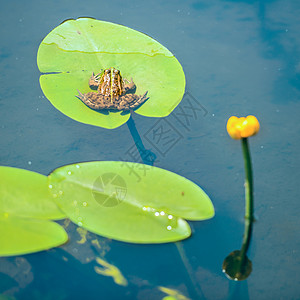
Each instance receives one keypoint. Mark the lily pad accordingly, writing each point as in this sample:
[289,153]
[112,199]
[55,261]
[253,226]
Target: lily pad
[25,193]
[71,52]
[20,236]
[128,201]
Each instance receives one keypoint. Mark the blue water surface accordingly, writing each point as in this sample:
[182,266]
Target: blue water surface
[240,58]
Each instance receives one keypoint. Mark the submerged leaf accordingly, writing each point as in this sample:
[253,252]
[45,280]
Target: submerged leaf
[172,294]
[110,270]
[129,201]
[75,49]
[25,193]
[20,236]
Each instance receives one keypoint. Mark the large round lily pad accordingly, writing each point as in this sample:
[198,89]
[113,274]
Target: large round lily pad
[128,201]
[71,52]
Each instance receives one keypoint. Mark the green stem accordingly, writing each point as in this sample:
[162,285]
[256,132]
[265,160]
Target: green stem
[249,205]
[197,289]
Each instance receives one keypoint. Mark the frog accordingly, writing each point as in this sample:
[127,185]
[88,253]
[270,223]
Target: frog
[112,92]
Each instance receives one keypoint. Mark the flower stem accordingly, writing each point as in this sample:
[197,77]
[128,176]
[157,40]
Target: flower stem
[249,205]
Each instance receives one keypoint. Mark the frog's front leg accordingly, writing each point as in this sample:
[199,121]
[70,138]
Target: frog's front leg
[129,86]
[94,81]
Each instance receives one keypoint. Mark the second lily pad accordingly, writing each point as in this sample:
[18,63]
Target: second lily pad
[128,201]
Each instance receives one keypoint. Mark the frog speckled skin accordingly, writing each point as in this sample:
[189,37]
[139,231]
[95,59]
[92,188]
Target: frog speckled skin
[113,92]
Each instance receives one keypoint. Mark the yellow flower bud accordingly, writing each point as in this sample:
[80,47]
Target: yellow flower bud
[242,127]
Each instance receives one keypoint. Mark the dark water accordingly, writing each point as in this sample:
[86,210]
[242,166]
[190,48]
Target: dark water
[240,58]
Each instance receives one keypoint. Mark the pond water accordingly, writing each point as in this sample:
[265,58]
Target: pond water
[239,58]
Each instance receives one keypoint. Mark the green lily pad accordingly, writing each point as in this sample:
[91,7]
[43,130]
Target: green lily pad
[71,52]
[128,201]
[25,193]
[20,236]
